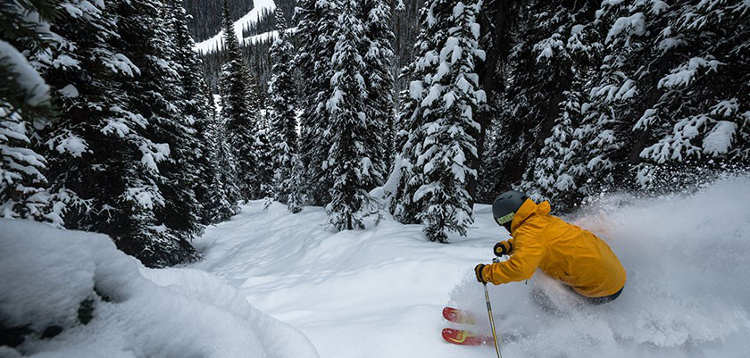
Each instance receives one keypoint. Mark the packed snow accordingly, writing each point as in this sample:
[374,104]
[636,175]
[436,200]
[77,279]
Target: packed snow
[50,275]
[380,292]
[251,18]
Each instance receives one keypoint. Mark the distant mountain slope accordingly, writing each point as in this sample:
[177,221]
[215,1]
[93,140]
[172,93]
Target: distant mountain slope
[216,42]
[206,14]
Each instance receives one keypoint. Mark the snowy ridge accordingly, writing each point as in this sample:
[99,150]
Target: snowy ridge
[252,17]
[686,295]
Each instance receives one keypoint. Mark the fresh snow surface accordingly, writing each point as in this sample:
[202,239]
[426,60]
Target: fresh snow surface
[379,293]
[46,273]
[251,18]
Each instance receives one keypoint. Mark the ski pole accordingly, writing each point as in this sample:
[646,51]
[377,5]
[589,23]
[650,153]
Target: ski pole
[492,320]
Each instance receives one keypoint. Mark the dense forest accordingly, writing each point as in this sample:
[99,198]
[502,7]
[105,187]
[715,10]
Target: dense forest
[109,122]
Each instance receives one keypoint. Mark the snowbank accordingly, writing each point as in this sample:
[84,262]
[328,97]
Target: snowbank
[53,278]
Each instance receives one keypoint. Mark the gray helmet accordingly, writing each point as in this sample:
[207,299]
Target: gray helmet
[506,205]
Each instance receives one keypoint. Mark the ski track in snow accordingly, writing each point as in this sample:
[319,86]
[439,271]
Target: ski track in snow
[379,292]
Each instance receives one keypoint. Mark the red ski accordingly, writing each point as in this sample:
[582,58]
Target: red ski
[465,338]
[458,315]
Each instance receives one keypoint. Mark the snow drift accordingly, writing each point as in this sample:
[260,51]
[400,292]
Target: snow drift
[108,305]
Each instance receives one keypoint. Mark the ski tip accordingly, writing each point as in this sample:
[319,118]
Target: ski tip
[459,316]
[450,313]
[449,334]
[462,337]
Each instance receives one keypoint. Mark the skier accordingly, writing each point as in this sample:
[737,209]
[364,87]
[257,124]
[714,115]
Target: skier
[561,250]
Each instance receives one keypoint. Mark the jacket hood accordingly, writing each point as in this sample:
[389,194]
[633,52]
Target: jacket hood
[528,208]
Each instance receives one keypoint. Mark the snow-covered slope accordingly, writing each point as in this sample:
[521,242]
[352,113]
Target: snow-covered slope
[49,277]
[379,293]
[251,18]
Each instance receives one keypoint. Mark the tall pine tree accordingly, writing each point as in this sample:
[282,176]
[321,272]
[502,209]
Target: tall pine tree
[287,180]
[24,103]
[349,160]
[444,96]
[237,97]
[316,24]
[377,52]
[196,104]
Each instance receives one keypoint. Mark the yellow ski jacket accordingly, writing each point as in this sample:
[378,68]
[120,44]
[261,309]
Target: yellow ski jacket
[563,251]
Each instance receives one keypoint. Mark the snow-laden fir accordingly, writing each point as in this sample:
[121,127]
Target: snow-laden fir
[379,293]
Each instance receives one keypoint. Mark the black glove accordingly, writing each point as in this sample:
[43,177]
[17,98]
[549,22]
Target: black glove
[503,248]
[478,272]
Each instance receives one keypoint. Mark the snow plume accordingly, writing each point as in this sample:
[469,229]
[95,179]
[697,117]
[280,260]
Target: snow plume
[109,305]
[686,295]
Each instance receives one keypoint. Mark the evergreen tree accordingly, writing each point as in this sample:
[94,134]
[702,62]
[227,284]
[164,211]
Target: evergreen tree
[444,95]
[263,155]
[559,173]
[282,111]
[176,127]
[349,160]
[195,103]
[378,55]
[159,196]
[24,103]
[225,173]
[615,94]
[316,23]
[700,115]
[121,143]
[238,102]
[540,69]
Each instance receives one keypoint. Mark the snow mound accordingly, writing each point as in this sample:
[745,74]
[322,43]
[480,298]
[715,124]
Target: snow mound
[108,304]
[687,258]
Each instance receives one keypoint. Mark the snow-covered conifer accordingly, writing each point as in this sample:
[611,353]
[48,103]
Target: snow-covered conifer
[24,104]
[239,96]
[701,114]
[159,195]
[283,126]
[540,72]
[195,103]
[444,95]
[560,169]
[378,56]
[316,23]
[263,172]
[349,160]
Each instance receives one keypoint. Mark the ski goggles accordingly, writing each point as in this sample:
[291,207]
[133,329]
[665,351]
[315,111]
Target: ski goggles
[505,219]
